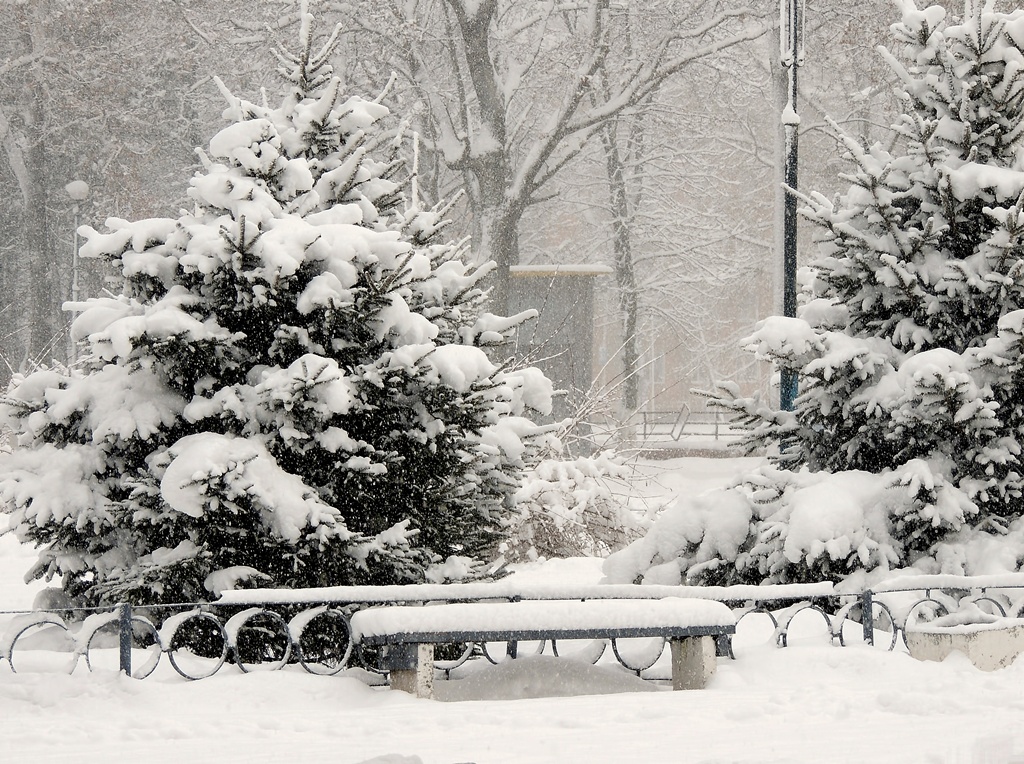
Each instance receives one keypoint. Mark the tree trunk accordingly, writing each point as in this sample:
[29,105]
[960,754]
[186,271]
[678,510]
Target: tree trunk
[496,237]
[625,275]
[31,265]
[487,168]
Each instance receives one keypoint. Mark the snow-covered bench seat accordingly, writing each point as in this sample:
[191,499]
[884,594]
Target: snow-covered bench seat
[409,633]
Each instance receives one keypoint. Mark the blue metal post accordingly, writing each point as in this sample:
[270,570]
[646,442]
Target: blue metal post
[866,619]
[124,623]
[792,53]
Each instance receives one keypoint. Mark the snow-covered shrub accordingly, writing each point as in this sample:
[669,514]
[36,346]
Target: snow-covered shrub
[789,526]
[292,389]
[567,508]
[773,524]
[908,341]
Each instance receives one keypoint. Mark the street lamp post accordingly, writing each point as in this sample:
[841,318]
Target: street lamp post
[78,190]
[791,23]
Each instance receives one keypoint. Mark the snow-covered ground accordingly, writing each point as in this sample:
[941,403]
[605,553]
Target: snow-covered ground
[810,702]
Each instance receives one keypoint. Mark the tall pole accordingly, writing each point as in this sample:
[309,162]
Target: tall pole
[78,190]
[74,257]
[791,22]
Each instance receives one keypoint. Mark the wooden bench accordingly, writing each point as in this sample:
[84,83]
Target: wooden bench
[409,633]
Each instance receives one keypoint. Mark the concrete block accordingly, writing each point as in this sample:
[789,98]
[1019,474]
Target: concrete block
[693,662]
[989,646]
[416,680]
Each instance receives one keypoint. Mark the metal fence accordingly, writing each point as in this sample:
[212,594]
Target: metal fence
[685,423]
[270,629]
[902,602]
[197,639]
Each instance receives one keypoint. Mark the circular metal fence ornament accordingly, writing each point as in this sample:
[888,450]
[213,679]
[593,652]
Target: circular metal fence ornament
[139,624]
[538,650]
[783,630]
[247,638]
[591,653]
[38,621]
[896,628]
[322,639]
[929,599]
[178,632]
[989,598]
[759,610]
[460,652]
[646,664]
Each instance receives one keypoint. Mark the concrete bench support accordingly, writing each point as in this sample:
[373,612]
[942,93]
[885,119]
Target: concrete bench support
[411,668]
[693,662]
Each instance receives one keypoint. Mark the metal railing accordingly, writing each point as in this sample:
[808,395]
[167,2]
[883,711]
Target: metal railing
[678,425]
[271,629]
[198,639]
[900,601]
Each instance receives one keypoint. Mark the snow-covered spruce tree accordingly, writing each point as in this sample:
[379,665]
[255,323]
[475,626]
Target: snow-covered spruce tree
[904,447]
[291,389]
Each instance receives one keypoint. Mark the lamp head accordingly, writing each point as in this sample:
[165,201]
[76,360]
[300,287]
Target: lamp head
[78,190]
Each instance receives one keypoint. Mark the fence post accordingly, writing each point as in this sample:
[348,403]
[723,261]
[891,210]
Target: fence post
[866,619]
[124,623]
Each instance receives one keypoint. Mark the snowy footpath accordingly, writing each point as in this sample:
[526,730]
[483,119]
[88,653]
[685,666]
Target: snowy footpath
[810,702]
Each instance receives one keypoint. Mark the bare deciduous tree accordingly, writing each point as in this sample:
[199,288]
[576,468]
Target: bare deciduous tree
[508,87]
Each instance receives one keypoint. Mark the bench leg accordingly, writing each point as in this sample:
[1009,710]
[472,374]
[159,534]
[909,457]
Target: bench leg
[411,669]
[693,662]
